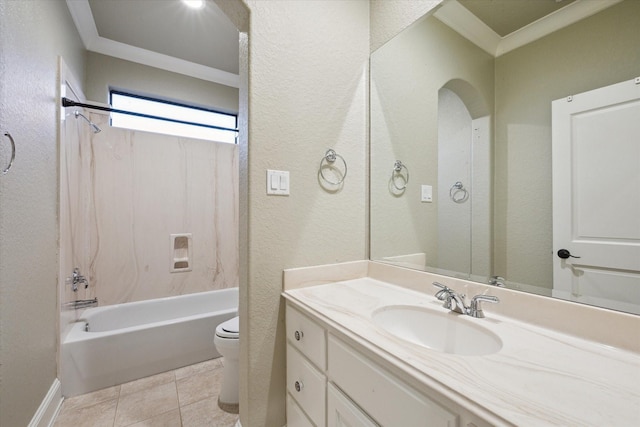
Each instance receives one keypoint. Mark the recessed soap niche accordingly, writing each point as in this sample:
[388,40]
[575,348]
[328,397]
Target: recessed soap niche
[181,249]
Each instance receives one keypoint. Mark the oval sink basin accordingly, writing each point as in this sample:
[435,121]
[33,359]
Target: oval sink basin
[441,331]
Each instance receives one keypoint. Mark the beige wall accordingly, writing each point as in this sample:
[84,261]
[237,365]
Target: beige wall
[388,18]
[406,75]
[307,92]
[104,72]
[598,51]
[307,88]
[32,35]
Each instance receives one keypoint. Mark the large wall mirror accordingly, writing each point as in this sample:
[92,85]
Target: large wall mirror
[462,146]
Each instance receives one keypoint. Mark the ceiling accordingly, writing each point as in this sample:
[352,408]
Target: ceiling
[204,43]
[499,26]
[201,43]
[506,16]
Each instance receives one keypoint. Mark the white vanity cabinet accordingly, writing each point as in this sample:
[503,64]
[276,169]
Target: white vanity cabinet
[342,412]
[330,383]
[306,365]
[386,399]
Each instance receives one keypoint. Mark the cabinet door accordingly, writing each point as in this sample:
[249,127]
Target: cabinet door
[295,415]
[306,385]
[387,400]
[341,412]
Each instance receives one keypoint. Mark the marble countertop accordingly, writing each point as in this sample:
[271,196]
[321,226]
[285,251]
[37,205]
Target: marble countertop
[539,376]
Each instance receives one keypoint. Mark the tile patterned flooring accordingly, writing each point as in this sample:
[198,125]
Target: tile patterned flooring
[186,397]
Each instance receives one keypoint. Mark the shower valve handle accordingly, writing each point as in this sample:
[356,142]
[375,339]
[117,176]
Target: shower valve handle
[298,386]
[298,335]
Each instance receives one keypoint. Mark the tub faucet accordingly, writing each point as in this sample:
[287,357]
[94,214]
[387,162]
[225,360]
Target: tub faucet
[78,278]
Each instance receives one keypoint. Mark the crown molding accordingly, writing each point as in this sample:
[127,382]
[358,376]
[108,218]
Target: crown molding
[469,26]
[83,19]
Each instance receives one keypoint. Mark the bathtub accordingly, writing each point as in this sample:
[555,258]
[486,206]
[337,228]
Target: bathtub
[114,344]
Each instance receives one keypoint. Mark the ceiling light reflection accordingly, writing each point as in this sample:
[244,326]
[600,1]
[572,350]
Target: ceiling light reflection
[194,4]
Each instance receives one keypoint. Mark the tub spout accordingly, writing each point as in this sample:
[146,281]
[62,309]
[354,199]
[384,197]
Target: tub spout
[81,303]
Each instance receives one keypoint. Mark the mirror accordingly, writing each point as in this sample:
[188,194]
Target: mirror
[473,127]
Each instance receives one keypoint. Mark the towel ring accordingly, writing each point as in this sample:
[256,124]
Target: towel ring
[330,158]
[455,191]
[13,152]
[397,169]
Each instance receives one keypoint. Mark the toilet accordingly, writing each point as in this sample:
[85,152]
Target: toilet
[227,343]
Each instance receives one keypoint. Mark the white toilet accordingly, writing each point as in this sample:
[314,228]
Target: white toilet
[227,343]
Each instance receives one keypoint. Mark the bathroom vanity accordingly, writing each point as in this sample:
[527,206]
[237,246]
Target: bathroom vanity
[369,351]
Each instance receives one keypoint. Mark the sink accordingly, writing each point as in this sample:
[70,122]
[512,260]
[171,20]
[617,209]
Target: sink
[441,331]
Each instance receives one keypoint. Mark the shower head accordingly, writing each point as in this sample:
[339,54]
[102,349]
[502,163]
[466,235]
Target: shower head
[94,127]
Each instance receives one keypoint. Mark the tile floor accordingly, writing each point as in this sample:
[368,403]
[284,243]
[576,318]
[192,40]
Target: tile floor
[186,397]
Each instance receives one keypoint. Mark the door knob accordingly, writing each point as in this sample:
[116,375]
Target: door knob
[564,254]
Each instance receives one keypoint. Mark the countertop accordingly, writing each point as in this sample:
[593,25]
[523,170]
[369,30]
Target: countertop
[539,376]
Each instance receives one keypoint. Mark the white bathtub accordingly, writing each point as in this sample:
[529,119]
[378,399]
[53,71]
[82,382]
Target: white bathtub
[128,341]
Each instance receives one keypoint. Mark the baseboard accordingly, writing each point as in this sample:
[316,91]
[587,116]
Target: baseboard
[48,409]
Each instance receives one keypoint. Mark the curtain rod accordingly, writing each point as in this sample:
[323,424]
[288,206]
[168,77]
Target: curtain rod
[66,102]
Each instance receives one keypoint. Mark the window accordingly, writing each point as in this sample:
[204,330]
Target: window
[154,115]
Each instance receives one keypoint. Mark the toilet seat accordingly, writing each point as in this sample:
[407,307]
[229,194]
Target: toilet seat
[229,329]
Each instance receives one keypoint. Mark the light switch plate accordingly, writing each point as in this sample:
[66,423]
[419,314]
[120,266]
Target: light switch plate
[277,183]
[426,194]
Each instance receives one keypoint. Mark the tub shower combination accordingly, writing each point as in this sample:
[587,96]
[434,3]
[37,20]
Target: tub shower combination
[115,344]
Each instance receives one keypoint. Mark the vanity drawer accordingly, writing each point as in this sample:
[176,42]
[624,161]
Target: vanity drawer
[389,402]
[307,336]
[306,385]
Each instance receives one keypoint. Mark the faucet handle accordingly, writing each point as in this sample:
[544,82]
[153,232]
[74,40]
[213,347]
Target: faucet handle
[475,310]
[496,281]
[444,291]
[440,285]
[78,278]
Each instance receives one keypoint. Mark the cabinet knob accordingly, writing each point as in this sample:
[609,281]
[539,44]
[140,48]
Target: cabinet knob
[298,335]
[298,386]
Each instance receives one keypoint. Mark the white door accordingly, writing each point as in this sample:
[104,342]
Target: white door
[596,197]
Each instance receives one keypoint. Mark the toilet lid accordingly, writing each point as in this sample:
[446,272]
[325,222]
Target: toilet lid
[229,329]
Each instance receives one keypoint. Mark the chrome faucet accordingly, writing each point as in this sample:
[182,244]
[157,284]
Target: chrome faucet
[456,302]
[78,278]
[496,281]
[475,310]
[451,300]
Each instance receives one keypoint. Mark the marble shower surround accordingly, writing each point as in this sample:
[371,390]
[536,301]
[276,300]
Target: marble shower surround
[139,188]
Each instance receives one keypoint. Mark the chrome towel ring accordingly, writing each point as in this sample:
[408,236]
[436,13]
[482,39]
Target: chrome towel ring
[458,193]
[13,152]
[397,170]
[328,162]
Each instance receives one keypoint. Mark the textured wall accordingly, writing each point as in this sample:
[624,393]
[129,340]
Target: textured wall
[32,35]
[598,51]
[308,92]
[388,18]
[104,72]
